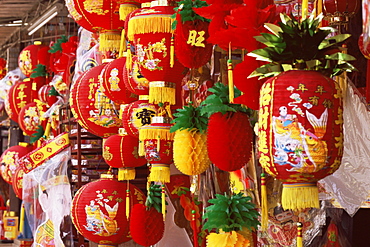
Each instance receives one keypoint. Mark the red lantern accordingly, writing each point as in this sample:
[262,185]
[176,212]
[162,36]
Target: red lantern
[113,82]
[17,182]
[28,58]
[191,47]
[150,29]
[93,110]
[146,226]
[339,11]
[31,117]
[47,96]
[99,211]
[300,133]
[19,95]
[99,16]
[121,151]
[3,70]
[9,160]
[134,81]
[229,140]
[138,114]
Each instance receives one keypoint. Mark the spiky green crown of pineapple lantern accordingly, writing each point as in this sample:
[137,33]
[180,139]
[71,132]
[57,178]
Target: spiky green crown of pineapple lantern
[295,44]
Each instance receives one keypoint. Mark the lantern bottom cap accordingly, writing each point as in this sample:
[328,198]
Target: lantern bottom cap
[300,196]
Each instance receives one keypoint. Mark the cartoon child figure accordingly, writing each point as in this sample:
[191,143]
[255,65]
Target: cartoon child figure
[114,80]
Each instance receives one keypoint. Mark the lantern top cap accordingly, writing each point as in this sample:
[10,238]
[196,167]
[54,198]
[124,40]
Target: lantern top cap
[37,43]
[27,79]
[161,119]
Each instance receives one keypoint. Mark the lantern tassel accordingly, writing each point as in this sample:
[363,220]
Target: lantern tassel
[128,201]
[299,235]
[230,76]
[141,150]
[163,202]
[172,52]
[129,56]
[161,91]
[122,45]
[160,173]
[125,9]
[126,173]
[154,132]
[264,204]
[109,41]
[159,24]
[300,196]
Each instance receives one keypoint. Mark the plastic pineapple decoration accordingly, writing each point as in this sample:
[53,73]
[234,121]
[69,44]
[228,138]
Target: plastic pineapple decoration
[190,141]
[300,125]
[229,133]
[229,215]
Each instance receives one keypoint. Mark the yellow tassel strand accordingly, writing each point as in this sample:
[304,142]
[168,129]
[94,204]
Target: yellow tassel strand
[161,91]
[299,235]
[152,132]
[109,41]
[163,202]
[125,9]
[230,76]
[21,220]
[172,52]
[160,173]
[126,173]
[264,203]
[122,46]
[304,7]
[129,56]
[141,150]
[149,24]
[300,196]
[128,201]
[47,130]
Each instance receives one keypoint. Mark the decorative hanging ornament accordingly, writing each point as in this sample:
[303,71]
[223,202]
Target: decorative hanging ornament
[138,114]
[100,16]
[31,117]
[338,12]
[93,110]
[134,81]
[150,30]
[48,95]
[121,151]
[19,95]
[300,133]
[9,160]
[28,58]
[99,211]
[113,82]
[126,7]
[17,182]
[3,69]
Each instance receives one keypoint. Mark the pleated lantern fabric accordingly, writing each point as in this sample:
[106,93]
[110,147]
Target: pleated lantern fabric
[146,226]
[46,96]
[31,117]
[19,95]
[135,82]
[229,140]
[28,58]
[114,84]
[93,110]
[100,16]
[17,182]
[121,151]
[151,32]
[9,160]
[138,114]
[300,133]
[190,153]
[99,211]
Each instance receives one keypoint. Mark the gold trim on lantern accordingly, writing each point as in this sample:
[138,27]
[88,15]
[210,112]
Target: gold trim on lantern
[126,173]
[143,97]
[160,173]
[300,196]
[161,92]
[125,9]
[109,41]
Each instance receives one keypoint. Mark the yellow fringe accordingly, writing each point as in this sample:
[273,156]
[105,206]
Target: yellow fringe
[163,203]
[125,9]
[161,94]
[172,52]
[128,56]
[122,46]
[128,201]
[160,173]
[299,235]
[264,203]
[155,132]
[300,196]
[141,150]
[149,24]
[231,80]
[109,41]
[126,173]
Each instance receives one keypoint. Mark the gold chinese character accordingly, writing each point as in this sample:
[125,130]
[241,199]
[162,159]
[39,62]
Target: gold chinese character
[263,118]
[119,199]
[196,38]
[266,95]
[320,89]
[22,104]
[339,143]
[301,87]
[262,142]
[314,100]
[104,191]
[340,116]
[21,95]
[110,198]
[328,103]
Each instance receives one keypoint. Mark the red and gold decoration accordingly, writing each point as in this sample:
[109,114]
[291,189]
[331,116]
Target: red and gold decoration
[135,82]
[150,30]
[138,114]
[28,58]
[99,211]
[146,222]
[93,110]
[48,95]
[338,12]
[17,182]
[19,95]
[9,160]
[101,17]
[113,82]
[121,151]
[3,69]
[31,117]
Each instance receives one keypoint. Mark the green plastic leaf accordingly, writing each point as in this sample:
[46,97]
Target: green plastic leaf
[273,28]
[36,136]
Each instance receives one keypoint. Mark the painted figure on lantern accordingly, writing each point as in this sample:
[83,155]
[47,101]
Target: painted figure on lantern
[114,80]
